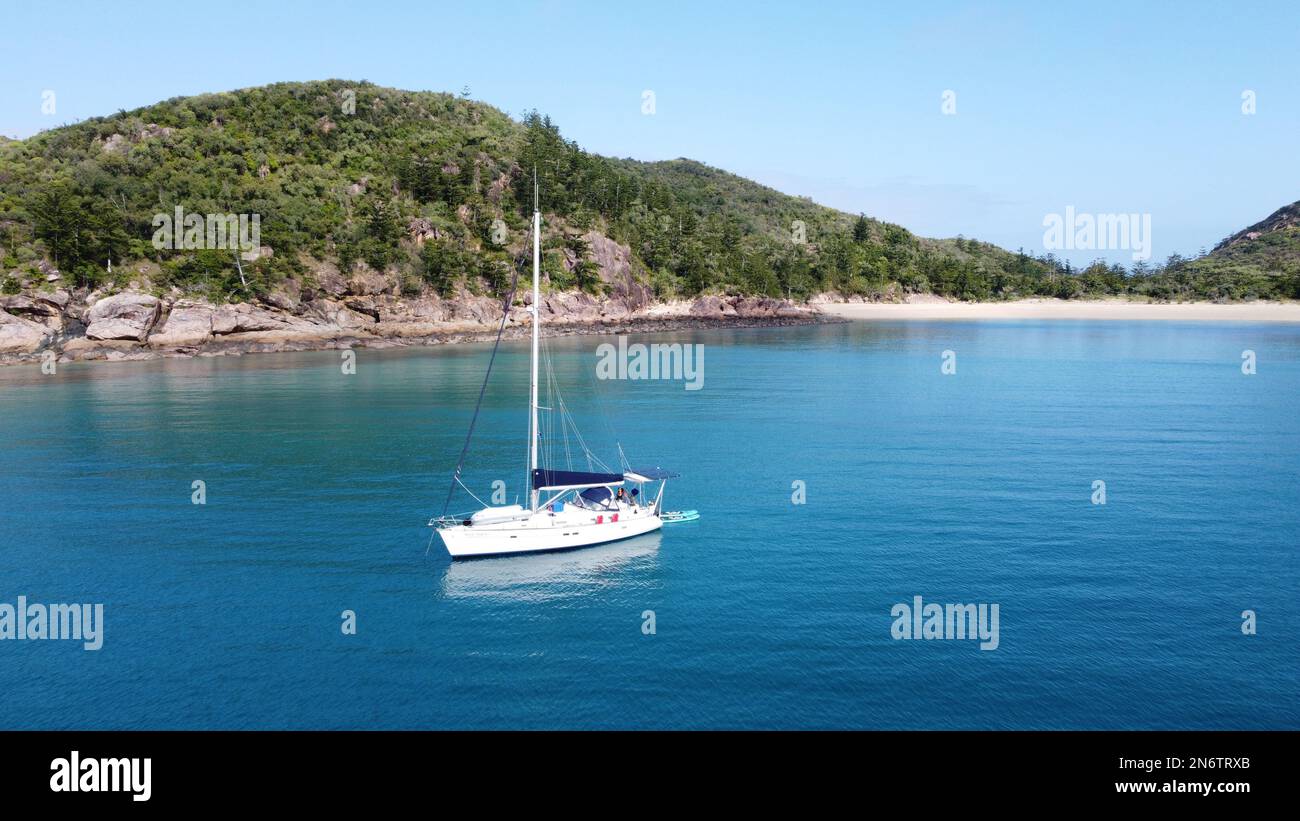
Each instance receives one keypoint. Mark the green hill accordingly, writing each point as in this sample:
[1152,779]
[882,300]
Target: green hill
[417,184]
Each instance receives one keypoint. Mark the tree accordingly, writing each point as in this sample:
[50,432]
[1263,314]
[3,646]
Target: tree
[495,273]
[107,236]
[382,233]
[59,220]
[440,266]
[861,229]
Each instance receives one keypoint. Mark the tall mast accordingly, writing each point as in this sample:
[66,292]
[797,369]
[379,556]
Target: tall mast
[534,433]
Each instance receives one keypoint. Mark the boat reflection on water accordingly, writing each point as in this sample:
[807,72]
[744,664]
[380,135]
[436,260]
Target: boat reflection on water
[549,576]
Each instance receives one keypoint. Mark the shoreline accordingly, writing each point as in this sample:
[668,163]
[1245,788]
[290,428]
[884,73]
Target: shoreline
[708,312]
[419,336]
[924,309]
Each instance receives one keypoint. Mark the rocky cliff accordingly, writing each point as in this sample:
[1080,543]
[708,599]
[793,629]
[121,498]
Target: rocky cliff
[366,309]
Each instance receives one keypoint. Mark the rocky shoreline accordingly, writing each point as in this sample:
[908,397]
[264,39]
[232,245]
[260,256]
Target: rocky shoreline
[133,325]
[329,309]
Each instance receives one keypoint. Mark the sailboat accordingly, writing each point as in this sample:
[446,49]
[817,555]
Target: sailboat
[566,509]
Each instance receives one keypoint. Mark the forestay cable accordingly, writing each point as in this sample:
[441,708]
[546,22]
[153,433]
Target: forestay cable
[505,315]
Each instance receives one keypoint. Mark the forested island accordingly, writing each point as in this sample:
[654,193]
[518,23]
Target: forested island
[374,204]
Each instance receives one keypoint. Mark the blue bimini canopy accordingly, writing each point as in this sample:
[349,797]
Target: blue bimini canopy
[562,479]
[650,474]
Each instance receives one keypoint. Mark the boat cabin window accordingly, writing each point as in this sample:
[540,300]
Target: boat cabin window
[597,498]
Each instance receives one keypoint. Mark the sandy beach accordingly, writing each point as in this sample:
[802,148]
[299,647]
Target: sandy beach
[930,309]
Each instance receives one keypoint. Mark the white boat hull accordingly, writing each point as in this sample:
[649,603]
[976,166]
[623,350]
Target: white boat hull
[545,531]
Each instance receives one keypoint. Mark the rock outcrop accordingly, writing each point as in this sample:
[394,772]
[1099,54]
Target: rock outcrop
[123,316]
[21,336]
[244,318]
[368,282]
[745,307]
[47,309]
[188,324]
[329,280]
[337,315]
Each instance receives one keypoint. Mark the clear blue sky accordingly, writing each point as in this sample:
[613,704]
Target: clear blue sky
[1109,107]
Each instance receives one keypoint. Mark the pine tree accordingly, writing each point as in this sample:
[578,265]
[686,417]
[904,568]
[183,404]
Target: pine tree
[861,229]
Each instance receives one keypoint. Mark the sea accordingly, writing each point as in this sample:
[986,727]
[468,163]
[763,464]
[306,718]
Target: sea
[1124,496]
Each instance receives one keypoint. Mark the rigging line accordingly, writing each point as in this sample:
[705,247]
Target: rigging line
[557,404]
[471,493]
[544,420]
[556,399]
[552,393]
[602,411]
[566,421]
[548,429]
[558,409]
[478,406]
[582,442]
[586,451]
[564,428]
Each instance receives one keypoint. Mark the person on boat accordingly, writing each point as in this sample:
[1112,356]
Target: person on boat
[633,495]
[621,496]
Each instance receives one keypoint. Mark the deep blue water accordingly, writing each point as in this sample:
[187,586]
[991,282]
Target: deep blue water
[973,487]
